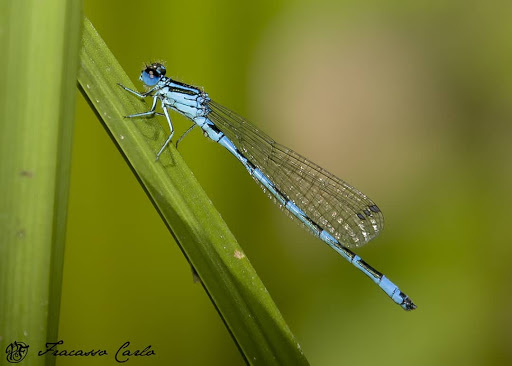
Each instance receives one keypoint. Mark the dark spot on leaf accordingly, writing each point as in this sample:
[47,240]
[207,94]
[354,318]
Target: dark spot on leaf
[26,173]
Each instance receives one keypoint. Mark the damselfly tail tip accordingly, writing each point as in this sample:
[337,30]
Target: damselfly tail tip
[408,304]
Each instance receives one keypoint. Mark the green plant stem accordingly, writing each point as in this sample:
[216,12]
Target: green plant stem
[40,43]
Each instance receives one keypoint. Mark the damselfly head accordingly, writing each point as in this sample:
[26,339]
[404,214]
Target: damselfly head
[152,74]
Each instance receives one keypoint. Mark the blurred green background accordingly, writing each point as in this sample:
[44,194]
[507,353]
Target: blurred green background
[408,101]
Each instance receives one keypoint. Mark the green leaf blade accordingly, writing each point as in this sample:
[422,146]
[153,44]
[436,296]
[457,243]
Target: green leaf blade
[226,274]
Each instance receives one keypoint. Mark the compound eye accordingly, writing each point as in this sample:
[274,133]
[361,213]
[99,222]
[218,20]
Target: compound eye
[160,68]
[152,74]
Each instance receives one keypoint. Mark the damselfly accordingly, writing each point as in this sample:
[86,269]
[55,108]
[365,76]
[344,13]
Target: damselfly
[331,209]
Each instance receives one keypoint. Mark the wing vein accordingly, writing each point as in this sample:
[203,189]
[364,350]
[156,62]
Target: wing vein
[329,201]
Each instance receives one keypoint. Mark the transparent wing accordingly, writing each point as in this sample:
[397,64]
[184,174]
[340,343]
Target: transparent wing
[346,213]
